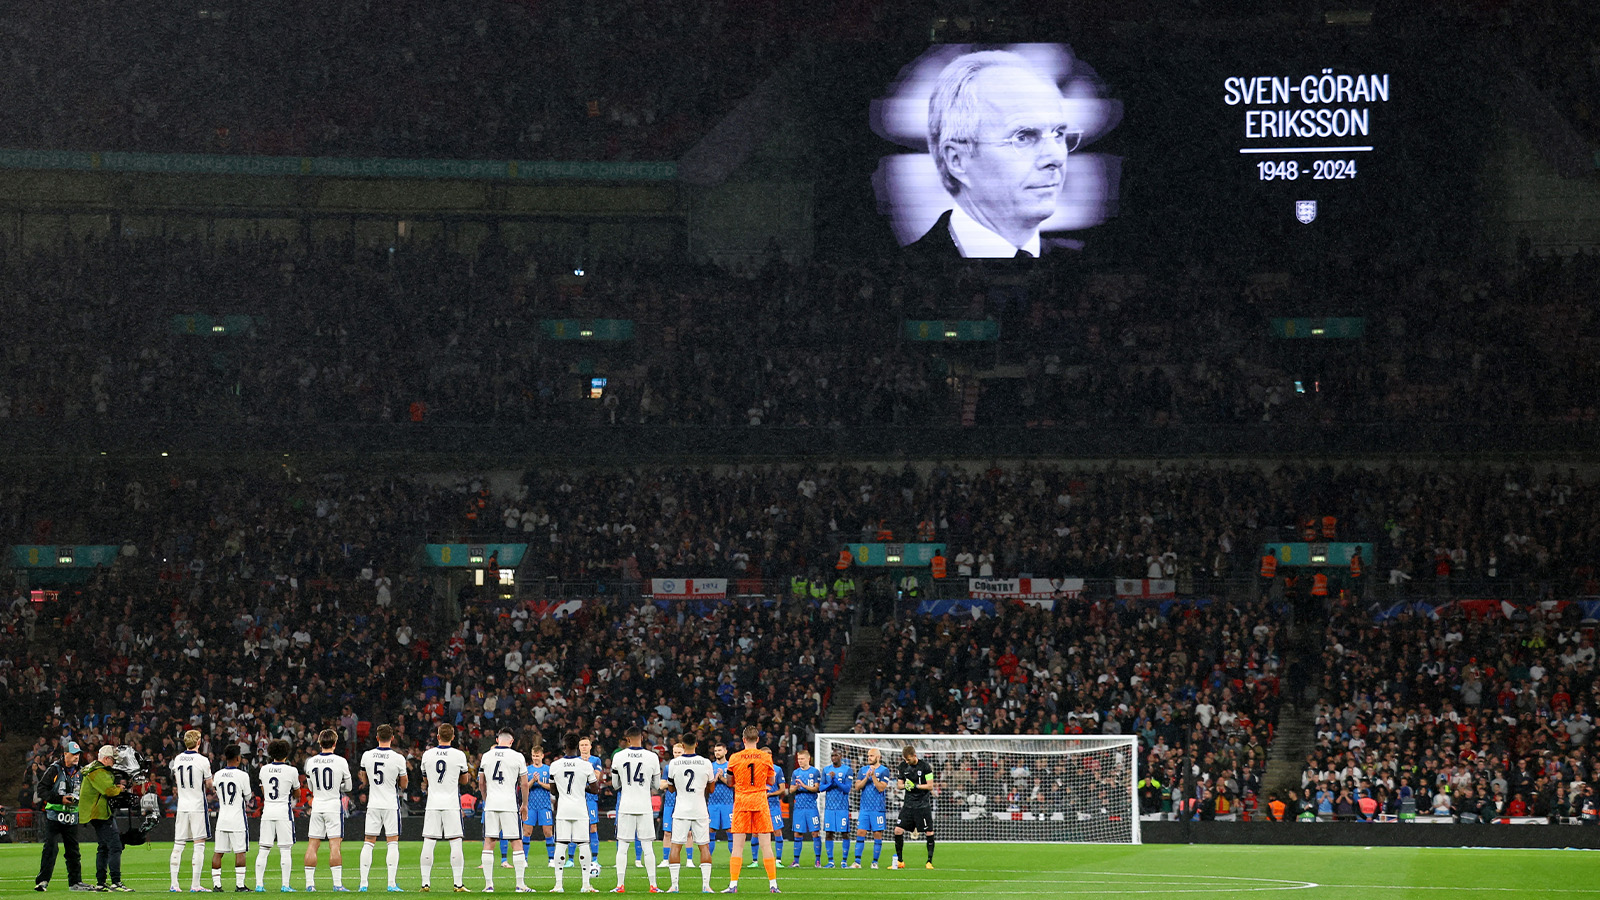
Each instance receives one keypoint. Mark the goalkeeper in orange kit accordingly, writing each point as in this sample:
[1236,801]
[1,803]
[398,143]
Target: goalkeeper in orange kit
[749,772]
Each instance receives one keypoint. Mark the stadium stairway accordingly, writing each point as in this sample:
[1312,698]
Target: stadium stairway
[855,679]
[1297,727]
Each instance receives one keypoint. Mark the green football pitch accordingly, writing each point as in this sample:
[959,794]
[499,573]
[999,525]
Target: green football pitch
[978,870]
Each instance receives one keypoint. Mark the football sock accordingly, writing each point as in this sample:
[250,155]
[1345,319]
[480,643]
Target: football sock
[238,875]
[505,850]
[594,845]
[735,863]
[560,849]
[458,860]
[175,862]
[488,869]
[900,847]
[777,845]
[930,848]
[830,849]
[877,848]
[393,859]
[338,875]
[199,863]
[366,861]
[549,848]
[311,877]
[861,847]
[286,863]
[427,860]
[770,863]
[583,862]
[262,853]
[216,876]
[519,865]
[649,861]
[705,874]
[672,873]
[816,850]
[622,862]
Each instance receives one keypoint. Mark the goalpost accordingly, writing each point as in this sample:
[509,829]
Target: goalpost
[1075,788]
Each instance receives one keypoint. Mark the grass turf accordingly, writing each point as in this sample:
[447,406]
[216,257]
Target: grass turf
[974,870]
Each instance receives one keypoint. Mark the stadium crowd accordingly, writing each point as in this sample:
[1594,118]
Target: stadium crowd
[424,334]
[265,605]
[1471,714]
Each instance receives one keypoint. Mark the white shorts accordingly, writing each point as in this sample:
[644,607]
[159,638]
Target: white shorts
[572,831]
[501,825]
[691,831]
[383,822]
[233,842]
[442,824]
[636,827]
[277,830]
[191,826]
[326,824]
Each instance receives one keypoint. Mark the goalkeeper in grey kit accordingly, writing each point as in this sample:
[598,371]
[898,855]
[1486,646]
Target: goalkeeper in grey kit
[916,809]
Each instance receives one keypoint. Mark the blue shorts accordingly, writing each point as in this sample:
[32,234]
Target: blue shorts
[807,821]
[721,818]
[666,815]
[870,822]
[541,818]
[594,813]
[837,820]
[777,818]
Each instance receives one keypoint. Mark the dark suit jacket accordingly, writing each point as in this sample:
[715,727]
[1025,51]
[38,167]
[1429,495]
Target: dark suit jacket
[938,243]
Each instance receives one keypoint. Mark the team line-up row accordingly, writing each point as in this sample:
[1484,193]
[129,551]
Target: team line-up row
[737,797]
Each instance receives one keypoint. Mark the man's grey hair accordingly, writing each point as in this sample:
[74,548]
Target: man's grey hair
[955,113]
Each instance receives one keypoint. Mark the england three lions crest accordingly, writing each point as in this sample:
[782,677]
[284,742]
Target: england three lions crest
[1305,211]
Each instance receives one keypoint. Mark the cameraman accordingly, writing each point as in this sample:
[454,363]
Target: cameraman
[58,788]
[94,807]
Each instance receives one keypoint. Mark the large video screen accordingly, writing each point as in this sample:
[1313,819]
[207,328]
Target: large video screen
[1296,145]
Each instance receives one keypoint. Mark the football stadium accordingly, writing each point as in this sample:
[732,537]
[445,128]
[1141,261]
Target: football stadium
[842,448]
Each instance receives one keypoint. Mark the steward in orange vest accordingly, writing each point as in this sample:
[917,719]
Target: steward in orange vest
[938,566]
[1330,528]
[1269,565]
[845,559]
[1319,585]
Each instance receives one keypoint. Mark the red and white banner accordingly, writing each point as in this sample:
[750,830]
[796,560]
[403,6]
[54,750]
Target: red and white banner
[1042,592]
[689,588]
[1147,588]
[554,609]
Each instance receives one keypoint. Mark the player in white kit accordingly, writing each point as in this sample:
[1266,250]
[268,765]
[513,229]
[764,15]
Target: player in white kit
[636,774]
[445,770]
[233,836]
[693,779]
[503,784]
[328,774]
[573,779]
[383,773]
[280,782]
[191,776]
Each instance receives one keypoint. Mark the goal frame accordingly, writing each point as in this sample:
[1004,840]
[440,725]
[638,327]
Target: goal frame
[1128,743]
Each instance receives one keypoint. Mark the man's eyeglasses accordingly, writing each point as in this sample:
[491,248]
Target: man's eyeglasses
[1028,140]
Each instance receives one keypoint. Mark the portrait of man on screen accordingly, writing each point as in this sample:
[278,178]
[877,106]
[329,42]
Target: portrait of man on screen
[1000,129]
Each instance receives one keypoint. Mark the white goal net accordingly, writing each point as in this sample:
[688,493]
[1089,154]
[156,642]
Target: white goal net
[1042,788]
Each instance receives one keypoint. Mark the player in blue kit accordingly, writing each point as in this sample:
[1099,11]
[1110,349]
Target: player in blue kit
[586,751]
[805,783]
[836,781]
[721,803]
[873,784]
[541,818]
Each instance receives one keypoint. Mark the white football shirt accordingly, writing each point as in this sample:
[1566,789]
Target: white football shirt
[190,770]
[635,771]
[279,782]
[443,768]
[383,766]
[571,776]
[690,775]
[329,776]
[233,794]
[500,768]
